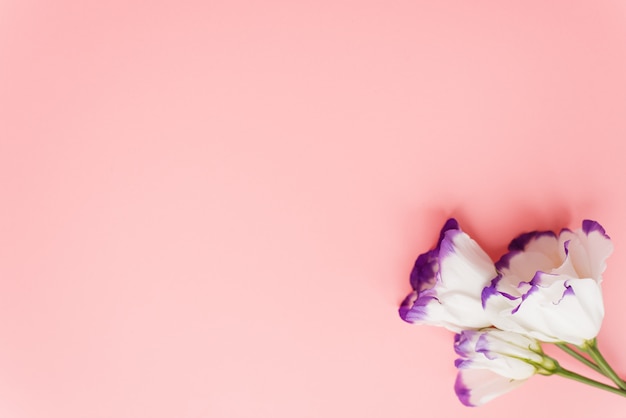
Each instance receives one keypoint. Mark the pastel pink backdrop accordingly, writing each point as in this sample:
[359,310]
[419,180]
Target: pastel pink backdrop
[210,209]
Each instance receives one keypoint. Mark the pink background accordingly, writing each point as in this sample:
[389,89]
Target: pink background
[211,208]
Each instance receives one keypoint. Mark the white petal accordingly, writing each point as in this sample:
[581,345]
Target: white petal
[541,253]
[589,254]
[464,266]
[513,347]
[464,270]
[553,314]
[475,387]
[463,310]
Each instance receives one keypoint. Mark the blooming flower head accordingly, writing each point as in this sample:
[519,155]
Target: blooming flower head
[548,285]
[447,283]
[493,362]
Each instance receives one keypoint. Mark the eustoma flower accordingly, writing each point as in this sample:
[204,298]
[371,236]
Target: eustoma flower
[493,362]
[447,283]
[548,285]
[546,289]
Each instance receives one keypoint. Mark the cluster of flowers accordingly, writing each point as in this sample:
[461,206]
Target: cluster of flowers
[546,289]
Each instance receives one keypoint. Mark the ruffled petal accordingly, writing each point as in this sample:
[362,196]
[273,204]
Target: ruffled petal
[539,253]
[590,252]
[415,308]
[568,311]
[447,283]
[548,286]
[463,263]
[425,269]
[426,266]
[464,270]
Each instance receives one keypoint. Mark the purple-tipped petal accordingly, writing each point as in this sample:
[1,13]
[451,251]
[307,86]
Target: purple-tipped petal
[530,291]
[492,362]
[447,246]
[462,343]
[475,387]
[414,307]
[482,346]
[462,391]
[520,243]
[427,265]
[566,247]
[590,226]
[505,261]
[547,281]
[449,225]
[406,305]
[490,290]
[424,271]
[446,283]
[462,363]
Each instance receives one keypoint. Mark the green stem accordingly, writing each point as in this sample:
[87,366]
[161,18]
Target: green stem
[580,357]
[582,379]
[591,347]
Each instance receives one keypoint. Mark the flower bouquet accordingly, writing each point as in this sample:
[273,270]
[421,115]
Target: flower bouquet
[545,290]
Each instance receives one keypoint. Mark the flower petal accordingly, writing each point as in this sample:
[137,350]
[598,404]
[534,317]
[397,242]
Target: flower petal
[463,264]
[540,253]
[414,308]
[475,387]
[505,353]
[425,270]
[548,286]
[564,311]
[427,265]
[590,251]
[447,283]
[464,270]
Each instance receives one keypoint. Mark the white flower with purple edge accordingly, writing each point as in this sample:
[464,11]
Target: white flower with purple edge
[493,362]
[447,283]
[547,288]
[548,285]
